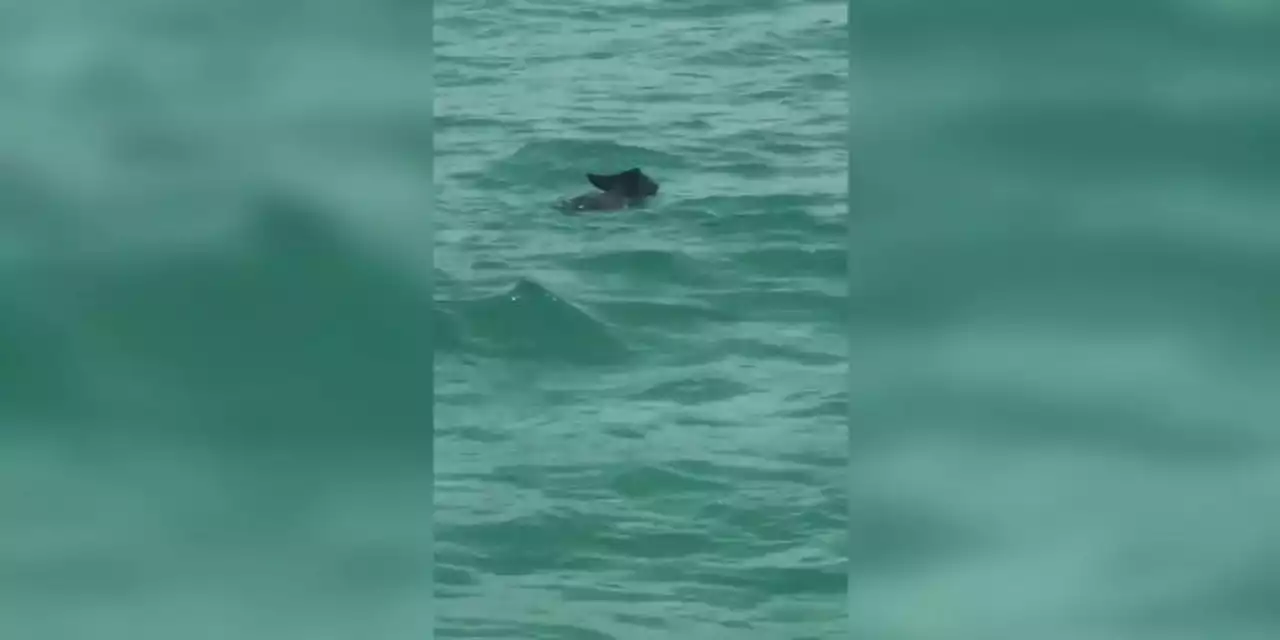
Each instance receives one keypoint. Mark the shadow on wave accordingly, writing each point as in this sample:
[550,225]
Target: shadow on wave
[651,266]
[527,322]
[297,332]
[787,216]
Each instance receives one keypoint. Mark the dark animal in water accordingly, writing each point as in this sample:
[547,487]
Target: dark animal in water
[617,191]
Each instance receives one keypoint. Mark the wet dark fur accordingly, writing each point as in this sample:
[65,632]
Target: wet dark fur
[617,191]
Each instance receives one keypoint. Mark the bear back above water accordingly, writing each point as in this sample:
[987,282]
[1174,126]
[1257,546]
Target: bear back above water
[617,191]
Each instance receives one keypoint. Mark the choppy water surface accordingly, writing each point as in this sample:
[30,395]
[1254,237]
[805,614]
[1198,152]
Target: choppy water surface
[641,416]
[213,287]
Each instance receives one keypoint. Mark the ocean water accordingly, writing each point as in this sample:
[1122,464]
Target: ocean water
[215,368]
[1065,258]
[952,320]
[641,416]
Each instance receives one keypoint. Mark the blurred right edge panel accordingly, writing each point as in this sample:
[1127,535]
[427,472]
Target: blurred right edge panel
[1065,320]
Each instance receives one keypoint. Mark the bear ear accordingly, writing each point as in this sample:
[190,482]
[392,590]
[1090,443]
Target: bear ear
[602,182]
[632,182]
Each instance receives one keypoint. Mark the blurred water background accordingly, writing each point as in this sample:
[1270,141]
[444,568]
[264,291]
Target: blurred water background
[1066,270]
[215,385]
[215,401]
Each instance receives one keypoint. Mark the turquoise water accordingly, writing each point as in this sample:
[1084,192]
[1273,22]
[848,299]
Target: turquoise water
[1041,253]
[215,382]
[641,418]
[1065,256]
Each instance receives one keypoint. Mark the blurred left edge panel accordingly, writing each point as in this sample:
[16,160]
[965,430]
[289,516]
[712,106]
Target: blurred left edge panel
[215,320]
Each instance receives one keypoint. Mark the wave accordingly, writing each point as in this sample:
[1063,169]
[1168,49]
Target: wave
[659,266]
[291,326]
[562,163]
[527,321]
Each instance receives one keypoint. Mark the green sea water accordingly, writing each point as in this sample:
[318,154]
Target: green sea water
[215,357]
[1065,259]
[951,320]
[641,417]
